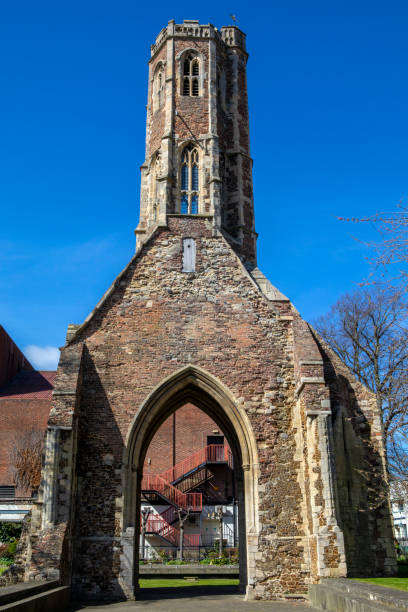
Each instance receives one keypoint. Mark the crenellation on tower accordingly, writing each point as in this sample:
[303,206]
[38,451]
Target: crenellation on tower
[197,98]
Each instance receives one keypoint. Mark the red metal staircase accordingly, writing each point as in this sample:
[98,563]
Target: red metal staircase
[186,501]
[213,453]
[174,485]
[195,479]
[158,526]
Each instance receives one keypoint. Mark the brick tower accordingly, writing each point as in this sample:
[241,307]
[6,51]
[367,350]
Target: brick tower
[197,138]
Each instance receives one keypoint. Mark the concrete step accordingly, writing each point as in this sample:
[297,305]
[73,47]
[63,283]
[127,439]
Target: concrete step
[44,601]
[341,595]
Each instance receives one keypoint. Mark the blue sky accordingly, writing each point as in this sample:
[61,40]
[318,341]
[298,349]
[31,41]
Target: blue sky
[328,108]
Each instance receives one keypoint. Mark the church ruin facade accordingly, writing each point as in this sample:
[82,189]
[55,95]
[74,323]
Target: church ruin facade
[191,319]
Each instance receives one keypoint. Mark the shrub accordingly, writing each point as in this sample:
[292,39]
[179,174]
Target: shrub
[5,561]
[163,555]
[9,532]
[220,561]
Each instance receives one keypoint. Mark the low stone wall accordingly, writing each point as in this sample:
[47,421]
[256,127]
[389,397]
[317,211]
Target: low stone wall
[35,597]
[352,596]
[181,571]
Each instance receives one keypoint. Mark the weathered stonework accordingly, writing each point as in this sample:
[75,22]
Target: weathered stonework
[216,120]
[306,437]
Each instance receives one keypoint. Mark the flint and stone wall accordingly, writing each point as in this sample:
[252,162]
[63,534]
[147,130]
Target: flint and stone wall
[156,320]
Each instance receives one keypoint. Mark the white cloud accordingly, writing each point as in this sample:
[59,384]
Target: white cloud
[42,357]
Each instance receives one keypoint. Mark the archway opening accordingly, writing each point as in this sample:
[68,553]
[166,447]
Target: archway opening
[214,518]
[189,503]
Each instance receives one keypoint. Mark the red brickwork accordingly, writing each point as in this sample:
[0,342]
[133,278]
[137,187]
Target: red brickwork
[192,112]
[192,428]
[12,359]
[24,406]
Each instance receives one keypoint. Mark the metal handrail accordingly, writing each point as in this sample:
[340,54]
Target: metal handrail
[212,453]
[157,525]
[192,501]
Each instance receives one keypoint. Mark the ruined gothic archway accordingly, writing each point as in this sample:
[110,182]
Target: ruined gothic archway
[196,386]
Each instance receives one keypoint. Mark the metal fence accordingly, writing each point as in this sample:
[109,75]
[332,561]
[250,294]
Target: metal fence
[402,546]
[162,554]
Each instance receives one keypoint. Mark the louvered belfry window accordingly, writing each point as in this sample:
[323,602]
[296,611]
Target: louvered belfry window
[189,180]
[191,73]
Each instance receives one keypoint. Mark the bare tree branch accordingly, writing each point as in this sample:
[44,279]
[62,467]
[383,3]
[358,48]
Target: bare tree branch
[391,251]
[25,459]
[368,330]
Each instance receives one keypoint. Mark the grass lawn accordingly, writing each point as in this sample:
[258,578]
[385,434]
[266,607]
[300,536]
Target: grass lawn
[3,569]
[398,582]
[154,583]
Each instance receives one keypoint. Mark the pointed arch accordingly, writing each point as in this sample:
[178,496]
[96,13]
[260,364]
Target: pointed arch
[196,385]
[158,89]
[189,181]
[192,384]
[191,72]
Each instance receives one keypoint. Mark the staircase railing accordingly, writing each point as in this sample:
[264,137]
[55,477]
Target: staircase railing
[192,501]
[156,524]
[195,479]
[213,453]
[161,483]
[169,515]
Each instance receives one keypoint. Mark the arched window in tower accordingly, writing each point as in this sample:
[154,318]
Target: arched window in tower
[189,180]
[191,72]
[158,88]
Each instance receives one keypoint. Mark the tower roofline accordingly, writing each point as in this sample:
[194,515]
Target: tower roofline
[232,36]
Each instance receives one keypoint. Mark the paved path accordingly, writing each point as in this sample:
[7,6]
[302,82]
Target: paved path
[183,602]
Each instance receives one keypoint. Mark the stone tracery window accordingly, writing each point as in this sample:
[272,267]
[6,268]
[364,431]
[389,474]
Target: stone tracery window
[189,181]
[191,73]
[159,82]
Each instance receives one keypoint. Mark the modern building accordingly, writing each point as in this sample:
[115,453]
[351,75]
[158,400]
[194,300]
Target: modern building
[399,505]
[25,404]
[188,468]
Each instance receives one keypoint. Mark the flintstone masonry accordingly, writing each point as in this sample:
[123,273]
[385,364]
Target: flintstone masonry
[192,319]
